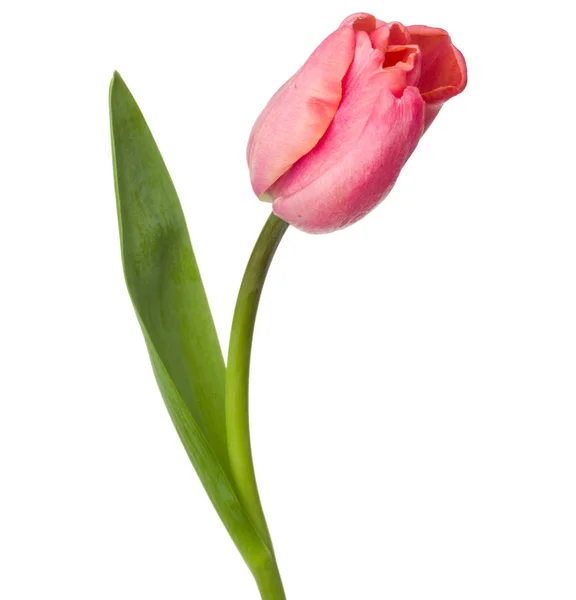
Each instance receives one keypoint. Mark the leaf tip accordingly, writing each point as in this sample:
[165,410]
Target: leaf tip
[115,81]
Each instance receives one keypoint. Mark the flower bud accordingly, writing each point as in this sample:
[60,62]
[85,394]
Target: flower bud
[332,141]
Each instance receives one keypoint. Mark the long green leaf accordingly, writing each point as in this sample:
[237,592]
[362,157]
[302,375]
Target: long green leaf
[161,272]
[171,305]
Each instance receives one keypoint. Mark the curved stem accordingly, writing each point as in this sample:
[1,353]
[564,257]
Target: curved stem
[237,384]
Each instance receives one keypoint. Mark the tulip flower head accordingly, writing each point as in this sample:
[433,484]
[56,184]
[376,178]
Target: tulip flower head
[331,142]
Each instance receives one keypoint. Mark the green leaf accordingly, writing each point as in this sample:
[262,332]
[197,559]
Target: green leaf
[161,271]
[171,305]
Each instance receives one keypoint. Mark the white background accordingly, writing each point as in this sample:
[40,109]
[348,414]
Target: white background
[413,384]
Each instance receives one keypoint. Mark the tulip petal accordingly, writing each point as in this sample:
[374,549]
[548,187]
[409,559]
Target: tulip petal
[380,36]
[443,73]
[407,58]
[301,111]
[361,22]
[362,85]
[399,34]
[363,176]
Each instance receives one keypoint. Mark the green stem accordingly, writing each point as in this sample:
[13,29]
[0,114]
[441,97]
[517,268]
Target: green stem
[237,383]
[269,582]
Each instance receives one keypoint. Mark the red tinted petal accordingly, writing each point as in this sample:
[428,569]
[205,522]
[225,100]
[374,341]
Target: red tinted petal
[399,34]
[443,72]
[407,58]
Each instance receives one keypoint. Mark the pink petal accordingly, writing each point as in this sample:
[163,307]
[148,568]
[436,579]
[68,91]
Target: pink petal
[352,183]
[362,87]
[360,22]
[380,36]
[300,112]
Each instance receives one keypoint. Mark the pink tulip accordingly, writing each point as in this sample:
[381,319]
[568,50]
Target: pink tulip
[332,141]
